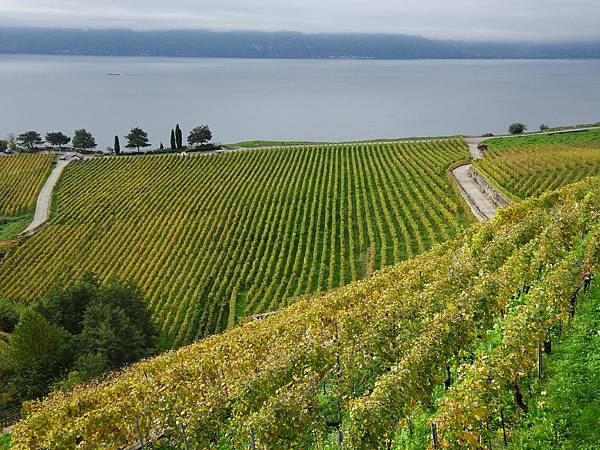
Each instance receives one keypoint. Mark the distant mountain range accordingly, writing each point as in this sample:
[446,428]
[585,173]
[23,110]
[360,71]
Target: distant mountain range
[252,44]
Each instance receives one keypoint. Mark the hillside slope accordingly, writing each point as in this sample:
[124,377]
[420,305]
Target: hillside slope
[565,413]
[362,362]
[213,239]
[21,178]
[534,169]
[256,44]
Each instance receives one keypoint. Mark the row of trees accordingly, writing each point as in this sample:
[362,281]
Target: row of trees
[136,139]
[82,139]
[520,128]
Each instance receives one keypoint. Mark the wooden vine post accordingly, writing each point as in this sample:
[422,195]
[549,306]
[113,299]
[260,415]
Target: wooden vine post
[139,432]
[540,361]
[434,435]
[503,428]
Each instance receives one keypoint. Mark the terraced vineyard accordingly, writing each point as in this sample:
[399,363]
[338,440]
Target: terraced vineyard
[533,169]
[212,239]
[451,338]
[21,179]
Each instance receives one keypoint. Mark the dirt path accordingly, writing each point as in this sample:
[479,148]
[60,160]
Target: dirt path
[483,208]
[473,143]
[42,207]
[479,202]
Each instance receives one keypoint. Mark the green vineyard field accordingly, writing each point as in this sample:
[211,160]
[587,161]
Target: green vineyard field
[21,179]
[213,239]
[445,338]
[534,169]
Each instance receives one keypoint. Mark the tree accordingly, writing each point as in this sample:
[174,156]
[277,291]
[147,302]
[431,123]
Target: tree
[517,128]
[127,296]
[12,141]
[173,142]
[117,146]
[137,138]
[57,139]
[108,331]
[30,139]
[178,137]
[161,147]
[199,135]
[544,127]
[38,351]
[9,316]
[66,306]
[75,333]
[83,139]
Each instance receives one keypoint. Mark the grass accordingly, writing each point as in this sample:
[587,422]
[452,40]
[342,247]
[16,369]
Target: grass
[566,414]
[263,143]
[590,137]
[570,127]
[12,226]
[5,442]
[259,143]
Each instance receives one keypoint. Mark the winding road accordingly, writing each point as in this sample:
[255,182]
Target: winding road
[481,205]
[42,207]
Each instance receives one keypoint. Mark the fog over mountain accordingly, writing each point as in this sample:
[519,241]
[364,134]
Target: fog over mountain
[253,44]
[473,20]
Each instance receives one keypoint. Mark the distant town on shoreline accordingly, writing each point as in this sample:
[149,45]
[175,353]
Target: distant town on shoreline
[285,44]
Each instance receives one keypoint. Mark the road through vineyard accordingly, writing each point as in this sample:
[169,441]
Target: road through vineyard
[212,239]
[21,178]
[531,170]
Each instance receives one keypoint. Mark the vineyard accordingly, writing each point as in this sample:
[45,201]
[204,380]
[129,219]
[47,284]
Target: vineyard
[21,179]
[587,138]
[213,239]
[534,169]
[448,341]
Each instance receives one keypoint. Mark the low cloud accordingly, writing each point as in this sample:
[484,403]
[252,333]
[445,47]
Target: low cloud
[507,20]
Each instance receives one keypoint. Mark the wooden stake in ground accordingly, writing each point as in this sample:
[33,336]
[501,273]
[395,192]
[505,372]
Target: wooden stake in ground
[139,433]
[434,435]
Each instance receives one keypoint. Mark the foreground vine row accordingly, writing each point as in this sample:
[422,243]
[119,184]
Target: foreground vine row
[21,179]
[215,238]
[360,361]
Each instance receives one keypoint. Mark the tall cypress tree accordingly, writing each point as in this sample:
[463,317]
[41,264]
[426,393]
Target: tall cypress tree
[178,137]
[117,146]
[173,142]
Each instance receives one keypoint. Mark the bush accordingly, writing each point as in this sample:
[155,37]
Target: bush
[75,334]
[9,316]
[38,351]
[517,128]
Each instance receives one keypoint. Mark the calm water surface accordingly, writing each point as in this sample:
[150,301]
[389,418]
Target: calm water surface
[292,99]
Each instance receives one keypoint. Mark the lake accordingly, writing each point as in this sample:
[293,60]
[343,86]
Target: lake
[329,100]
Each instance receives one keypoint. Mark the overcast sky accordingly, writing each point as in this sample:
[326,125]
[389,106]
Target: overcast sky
[546,20]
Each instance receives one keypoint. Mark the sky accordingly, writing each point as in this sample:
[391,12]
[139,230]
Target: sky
[504,20]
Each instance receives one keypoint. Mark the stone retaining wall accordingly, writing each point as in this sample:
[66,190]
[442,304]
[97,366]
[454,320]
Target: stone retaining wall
[490,191]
